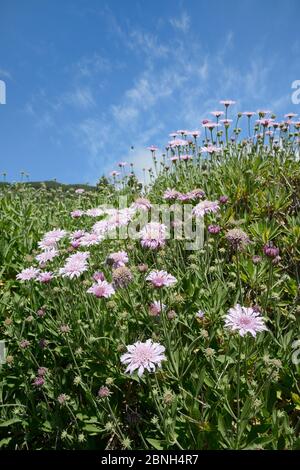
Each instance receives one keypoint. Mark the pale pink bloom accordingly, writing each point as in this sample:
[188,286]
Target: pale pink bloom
[119,218]
[95,212]
[263,112]
[45,277]
[152,148]
[196,194]
[89,239]
[204,207]
[28,274]
[101,289]
[248,113]
[174,158]
[290,115]
[210,125]
[118,259]
[114,173]
[186,157]
[171,194]
[141,356]
[177,143]
[79,191]
[156,307]
[200,314]
[122,164]
[142,204]
[46,256]
[211,149]
[76,214]
[244,320]
[101,228]
[56,234]
[153,235]
[47,243]
[217,113]
[227,102]
[75,265]
[226,122]
[161,279]
[194,133]
[77,234]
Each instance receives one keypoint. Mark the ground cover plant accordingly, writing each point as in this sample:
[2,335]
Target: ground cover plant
[140,343]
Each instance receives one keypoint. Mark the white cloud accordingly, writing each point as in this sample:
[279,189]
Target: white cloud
[81,97]
[181,23]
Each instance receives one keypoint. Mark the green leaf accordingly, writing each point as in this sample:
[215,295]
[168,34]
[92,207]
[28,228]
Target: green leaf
[155,443]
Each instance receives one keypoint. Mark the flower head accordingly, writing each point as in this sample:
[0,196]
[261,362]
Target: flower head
[75,265]
[118,259]
[161,279]
[28,274]
[244,320]
[101,289]
[271,250]
[141,356]
[122,276]
[237,238]
[47,255]
[45,277]
[156,307]
[153,235]
[204,207]
[142,204]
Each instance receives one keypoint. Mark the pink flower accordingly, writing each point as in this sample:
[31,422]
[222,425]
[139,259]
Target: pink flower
[211,149]
[118,259]
[38,382]
[177,143]
[156,308]
[214,229]
[161,279]
[195,194]
[28,274]
[101,227]
[104,392]
[77,234]
[47,243]
[89,239]
[290,115]
[46,256]
[119,218]
[142,204]
[227,102]
[45,277]
[95,212]
[114,173]
[75,265]
[204,207]
[200,314]
[210,125]
[101,289]
[98,276]
[171,194]
[122,164]
[217,113]
[152,148]
[248,113]
[185,157]
[141,356]
[79,191]
[57,234]
[245,320]
[153,235]
[77,213]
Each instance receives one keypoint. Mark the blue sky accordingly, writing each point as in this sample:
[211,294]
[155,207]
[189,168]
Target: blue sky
[86,80]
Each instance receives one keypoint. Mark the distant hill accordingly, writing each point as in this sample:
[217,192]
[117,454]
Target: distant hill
[52,185]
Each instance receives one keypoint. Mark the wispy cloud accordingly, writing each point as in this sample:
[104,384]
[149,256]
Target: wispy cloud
[4,73]
[182,22]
